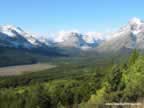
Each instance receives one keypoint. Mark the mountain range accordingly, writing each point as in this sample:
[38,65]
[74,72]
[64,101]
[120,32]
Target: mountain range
[12,36]
[130,36]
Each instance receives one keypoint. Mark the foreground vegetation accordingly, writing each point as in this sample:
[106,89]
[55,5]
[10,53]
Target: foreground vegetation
[72,84]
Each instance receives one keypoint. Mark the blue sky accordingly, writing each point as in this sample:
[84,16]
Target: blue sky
[84,15]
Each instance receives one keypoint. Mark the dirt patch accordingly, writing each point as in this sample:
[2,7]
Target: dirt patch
[18,70]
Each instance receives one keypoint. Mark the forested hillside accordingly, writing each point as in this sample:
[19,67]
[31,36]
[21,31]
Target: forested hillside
[21,56]
[76,85]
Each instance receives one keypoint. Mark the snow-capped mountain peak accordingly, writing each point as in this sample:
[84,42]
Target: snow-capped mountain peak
[130,36]
[78,40]
[65,35]
[136,25]
[135,21]
[10,29]
[68,39]
[17,37]
[92,37]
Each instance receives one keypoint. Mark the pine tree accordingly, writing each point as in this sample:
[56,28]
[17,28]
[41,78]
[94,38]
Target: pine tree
[115,78]
[134,56]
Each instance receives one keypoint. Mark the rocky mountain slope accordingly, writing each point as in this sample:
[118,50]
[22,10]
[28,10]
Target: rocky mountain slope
[130,36]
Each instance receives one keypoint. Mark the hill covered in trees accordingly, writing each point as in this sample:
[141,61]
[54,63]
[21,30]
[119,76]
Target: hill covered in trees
[72,85]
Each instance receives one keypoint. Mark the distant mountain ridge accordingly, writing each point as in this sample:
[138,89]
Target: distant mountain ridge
[130,36]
